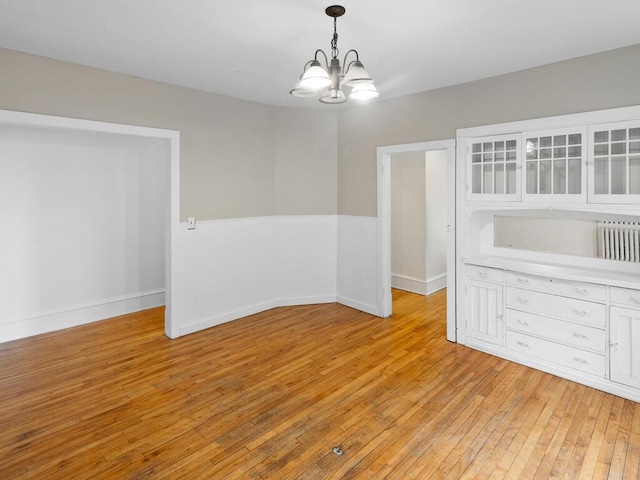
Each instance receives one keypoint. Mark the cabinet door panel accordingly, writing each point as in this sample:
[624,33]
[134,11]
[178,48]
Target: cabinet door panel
[624,353]
[484,315]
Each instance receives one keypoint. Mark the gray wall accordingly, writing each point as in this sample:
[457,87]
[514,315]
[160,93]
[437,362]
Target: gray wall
[238,158]
[600,81]
[408,214]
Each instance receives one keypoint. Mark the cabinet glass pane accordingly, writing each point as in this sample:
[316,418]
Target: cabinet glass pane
[575,176]
[575,152]
[545,176]
[476,179]
[618,135]
[618,175]
[601,175]
[487,175]
[618,148]
[511,177]
[634,174]
[559,176]
[600,137]
[601,149]
[546,142]
[532,177]
[499,178]
[559,140]
[575,139]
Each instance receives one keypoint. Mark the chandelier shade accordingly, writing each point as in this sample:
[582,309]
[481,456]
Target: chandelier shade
[330,80]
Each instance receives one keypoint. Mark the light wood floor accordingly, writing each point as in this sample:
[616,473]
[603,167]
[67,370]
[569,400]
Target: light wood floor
[270,395]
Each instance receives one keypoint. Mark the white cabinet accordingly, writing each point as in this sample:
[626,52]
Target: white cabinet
[494,168]
[624,342]
[485,308]
[614,168]
[548,319]
[624,336]
[555,165]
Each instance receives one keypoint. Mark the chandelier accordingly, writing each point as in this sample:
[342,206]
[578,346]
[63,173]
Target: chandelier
[329,79]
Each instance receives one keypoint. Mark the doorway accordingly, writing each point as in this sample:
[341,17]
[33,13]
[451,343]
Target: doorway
[115,188]
[384,273]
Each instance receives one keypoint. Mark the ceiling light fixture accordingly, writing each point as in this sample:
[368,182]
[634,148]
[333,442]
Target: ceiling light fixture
[329,78]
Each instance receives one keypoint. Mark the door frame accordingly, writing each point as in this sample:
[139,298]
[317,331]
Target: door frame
[383,267]
[172,208]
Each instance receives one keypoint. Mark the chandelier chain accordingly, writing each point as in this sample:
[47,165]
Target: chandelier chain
[334,41]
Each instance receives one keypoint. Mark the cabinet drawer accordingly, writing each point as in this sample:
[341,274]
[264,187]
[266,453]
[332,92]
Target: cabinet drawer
[572,309]
[559,354]
[558,330]
[587,291]
[485,273]
[625,296]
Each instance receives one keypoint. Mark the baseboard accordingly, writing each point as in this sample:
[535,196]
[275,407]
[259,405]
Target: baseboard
[417,285]
[371,309]
[227,317]
[80,315]
[292,301]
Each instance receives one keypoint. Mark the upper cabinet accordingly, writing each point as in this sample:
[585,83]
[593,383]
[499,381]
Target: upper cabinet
[555,163]
[614,167]
[595,163]
[494,168]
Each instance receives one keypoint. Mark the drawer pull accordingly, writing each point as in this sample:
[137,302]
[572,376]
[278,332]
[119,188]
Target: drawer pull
[523,281]
[580,335]
[580,360]
[483,274]
[580,313]
[523,300]
[523,322]
[581,291]
[522,344]
[635,300]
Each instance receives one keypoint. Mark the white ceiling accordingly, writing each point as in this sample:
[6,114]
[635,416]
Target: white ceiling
[255,49]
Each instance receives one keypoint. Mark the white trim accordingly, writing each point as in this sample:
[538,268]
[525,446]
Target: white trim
[226,317]
[76,315]
[292,301]
[383,267]
[349,302]
[549,123]
[24,119]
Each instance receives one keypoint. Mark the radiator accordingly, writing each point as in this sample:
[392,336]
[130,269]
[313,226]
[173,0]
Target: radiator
[619,241]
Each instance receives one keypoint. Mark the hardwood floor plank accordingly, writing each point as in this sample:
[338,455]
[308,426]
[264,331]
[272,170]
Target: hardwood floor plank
[268,396]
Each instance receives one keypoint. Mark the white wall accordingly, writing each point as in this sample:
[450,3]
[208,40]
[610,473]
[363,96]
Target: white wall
[83,220]
[238,267]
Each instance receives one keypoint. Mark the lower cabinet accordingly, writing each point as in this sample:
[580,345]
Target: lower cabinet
[624,346]
[485,307]
[580,330]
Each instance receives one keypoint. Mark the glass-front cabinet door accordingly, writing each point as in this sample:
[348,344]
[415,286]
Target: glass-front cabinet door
[614,168]
[555,165]
[494,168]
